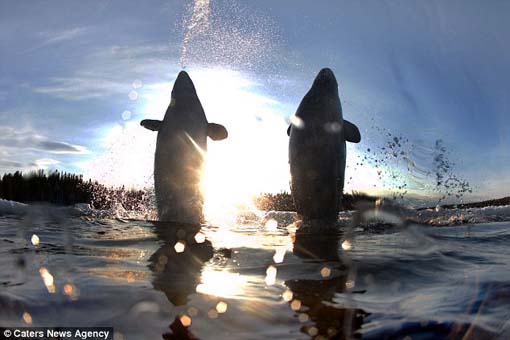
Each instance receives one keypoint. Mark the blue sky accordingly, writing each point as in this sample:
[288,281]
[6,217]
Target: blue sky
[77,77]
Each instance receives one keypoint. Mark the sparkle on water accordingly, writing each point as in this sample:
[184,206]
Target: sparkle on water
[27,318]
[47,279]
[180,247]
[35,240]
[221,307]
[271,272]
[221,283]
[185,320]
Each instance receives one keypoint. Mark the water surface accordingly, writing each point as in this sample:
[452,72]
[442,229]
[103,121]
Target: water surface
[256,280]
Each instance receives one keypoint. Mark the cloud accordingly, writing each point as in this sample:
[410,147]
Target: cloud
[44,163]
[82,87]
[108,72]
[28,139]
[55,37]
[5,163]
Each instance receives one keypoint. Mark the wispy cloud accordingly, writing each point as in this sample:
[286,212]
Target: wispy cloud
[82,87]
[108,72]
[9,164]
[44,163]
[55,37]
[28,139]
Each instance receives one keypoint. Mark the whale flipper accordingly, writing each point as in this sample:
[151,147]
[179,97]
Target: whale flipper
[216,131]
[351,132]
[151,124]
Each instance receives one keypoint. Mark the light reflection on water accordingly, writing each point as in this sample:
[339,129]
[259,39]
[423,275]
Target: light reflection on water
[250,281]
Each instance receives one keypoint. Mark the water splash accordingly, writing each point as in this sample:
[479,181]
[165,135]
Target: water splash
[227,34]
[403,166]
[196,25]
[447,182]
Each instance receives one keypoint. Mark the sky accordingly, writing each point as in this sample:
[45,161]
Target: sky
[78,77]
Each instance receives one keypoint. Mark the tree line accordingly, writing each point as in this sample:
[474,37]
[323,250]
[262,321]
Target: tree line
[283,201]
[64,188]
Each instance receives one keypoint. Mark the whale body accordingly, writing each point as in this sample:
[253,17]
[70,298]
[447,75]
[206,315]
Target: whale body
[179,158]
[317,150]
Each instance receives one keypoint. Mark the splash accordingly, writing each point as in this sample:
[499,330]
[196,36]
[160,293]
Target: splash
[196,25]
[404,166]
[227,34]
[447,182]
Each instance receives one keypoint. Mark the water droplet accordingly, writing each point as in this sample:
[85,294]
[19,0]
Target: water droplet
[325,272]
[346,245]
[68,289]
[297,122]
[179,247]
[27,318]
[271,275]
[279,255]
[212,314]
[199,237]
[185,320]
[303,317]
[313,331]
[47,279]
[192,311]
[126,115]
[35,240]
[221,307]
[295,305]
[287,295]
[133,95]
[137,84]
[334,127]
[349,284]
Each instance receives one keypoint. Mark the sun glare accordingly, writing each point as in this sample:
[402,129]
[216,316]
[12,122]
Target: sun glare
[221,283]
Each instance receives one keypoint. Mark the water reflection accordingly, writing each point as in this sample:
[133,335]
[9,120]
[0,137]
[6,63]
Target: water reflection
[177,267]
[177,264]
[312,299]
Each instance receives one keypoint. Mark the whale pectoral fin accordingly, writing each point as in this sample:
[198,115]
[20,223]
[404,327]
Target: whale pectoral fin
[351,132]
[216,131]
[288,130]
[151,124]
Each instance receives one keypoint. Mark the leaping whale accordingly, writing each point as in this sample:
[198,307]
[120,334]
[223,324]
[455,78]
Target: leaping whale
[317,150]
[179,158]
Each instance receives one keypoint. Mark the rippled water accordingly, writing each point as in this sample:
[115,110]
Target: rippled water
[256,280]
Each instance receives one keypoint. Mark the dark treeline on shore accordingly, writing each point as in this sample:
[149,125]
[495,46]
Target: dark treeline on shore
[67,189]
[283,201]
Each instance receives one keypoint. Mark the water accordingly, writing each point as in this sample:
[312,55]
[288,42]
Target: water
[256,279]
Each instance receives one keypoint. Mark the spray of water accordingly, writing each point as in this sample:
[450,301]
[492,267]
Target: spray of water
[227,34]
[194,26]
[404,165]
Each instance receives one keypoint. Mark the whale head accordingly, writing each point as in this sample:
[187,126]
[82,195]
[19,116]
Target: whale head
[325,83]
[183,86]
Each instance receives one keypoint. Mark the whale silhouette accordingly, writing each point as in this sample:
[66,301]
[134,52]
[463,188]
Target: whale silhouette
[317,150]
[179,158]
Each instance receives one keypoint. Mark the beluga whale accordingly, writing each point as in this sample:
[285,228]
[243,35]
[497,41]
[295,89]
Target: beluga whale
[179,159]
[317,150]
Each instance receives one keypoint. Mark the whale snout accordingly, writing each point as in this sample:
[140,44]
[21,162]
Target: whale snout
[326,80]
[183,84]
[326,73]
